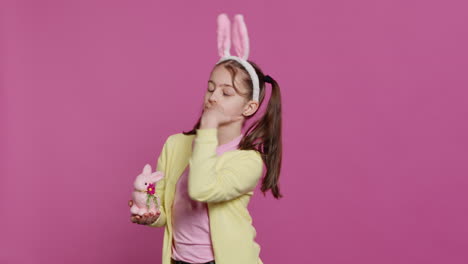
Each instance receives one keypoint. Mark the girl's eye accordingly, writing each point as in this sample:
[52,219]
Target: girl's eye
[225,94]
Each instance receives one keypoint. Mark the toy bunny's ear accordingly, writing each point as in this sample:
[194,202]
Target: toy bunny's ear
[147,169]
[224,35]
[240,37]
[156,176]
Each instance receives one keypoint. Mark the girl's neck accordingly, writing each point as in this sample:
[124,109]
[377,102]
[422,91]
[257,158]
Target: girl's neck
[228,132]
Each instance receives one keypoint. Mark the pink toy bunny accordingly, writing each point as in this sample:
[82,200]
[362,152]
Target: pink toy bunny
[144,196]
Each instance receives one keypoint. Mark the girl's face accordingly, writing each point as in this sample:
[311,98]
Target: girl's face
[220,91]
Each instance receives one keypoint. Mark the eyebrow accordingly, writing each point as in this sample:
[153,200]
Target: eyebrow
[223,84]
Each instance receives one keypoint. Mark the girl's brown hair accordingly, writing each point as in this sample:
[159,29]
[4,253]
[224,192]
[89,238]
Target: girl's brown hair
[264,135]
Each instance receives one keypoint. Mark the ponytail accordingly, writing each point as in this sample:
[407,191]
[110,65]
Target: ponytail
[267,132]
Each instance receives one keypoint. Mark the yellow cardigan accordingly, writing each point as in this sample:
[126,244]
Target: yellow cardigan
[224,182]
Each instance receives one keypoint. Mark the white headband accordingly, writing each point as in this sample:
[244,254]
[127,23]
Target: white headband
[240,39]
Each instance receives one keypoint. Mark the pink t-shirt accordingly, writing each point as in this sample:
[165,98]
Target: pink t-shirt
[190,220]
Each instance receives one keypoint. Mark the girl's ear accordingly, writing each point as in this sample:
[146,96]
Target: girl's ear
[240,37]
[251,108]
[224,35]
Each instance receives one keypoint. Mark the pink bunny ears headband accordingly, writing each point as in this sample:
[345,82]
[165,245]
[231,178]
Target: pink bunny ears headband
[240,39]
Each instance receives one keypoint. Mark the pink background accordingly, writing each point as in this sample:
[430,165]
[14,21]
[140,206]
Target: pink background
[375,125]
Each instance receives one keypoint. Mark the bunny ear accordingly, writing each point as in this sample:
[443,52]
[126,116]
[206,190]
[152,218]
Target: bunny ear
[147,169]
[240,37]
[224,35]
[156,176]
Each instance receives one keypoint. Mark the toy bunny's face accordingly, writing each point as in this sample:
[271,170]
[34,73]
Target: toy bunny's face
[146,178]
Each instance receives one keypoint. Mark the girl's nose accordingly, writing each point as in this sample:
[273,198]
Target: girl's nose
[212,98]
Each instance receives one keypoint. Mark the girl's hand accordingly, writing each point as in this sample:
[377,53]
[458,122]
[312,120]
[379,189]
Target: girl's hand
[214,116]
[146,219]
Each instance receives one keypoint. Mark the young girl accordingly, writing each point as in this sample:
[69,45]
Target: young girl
[212,170]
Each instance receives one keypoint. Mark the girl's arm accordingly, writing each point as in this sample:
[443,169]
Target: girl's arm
[161,185]
[215,178]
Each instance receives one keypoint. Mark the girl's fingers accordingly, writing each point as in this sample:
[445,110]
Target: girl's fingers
[148,218]
[148,221]
[134,218]
[145,219]
[152,219]
[130,203]
[141,220]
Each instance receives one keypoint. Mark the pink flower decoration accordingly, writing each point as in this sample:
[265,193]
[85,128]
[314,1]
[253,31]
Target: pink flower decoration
[151,189]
